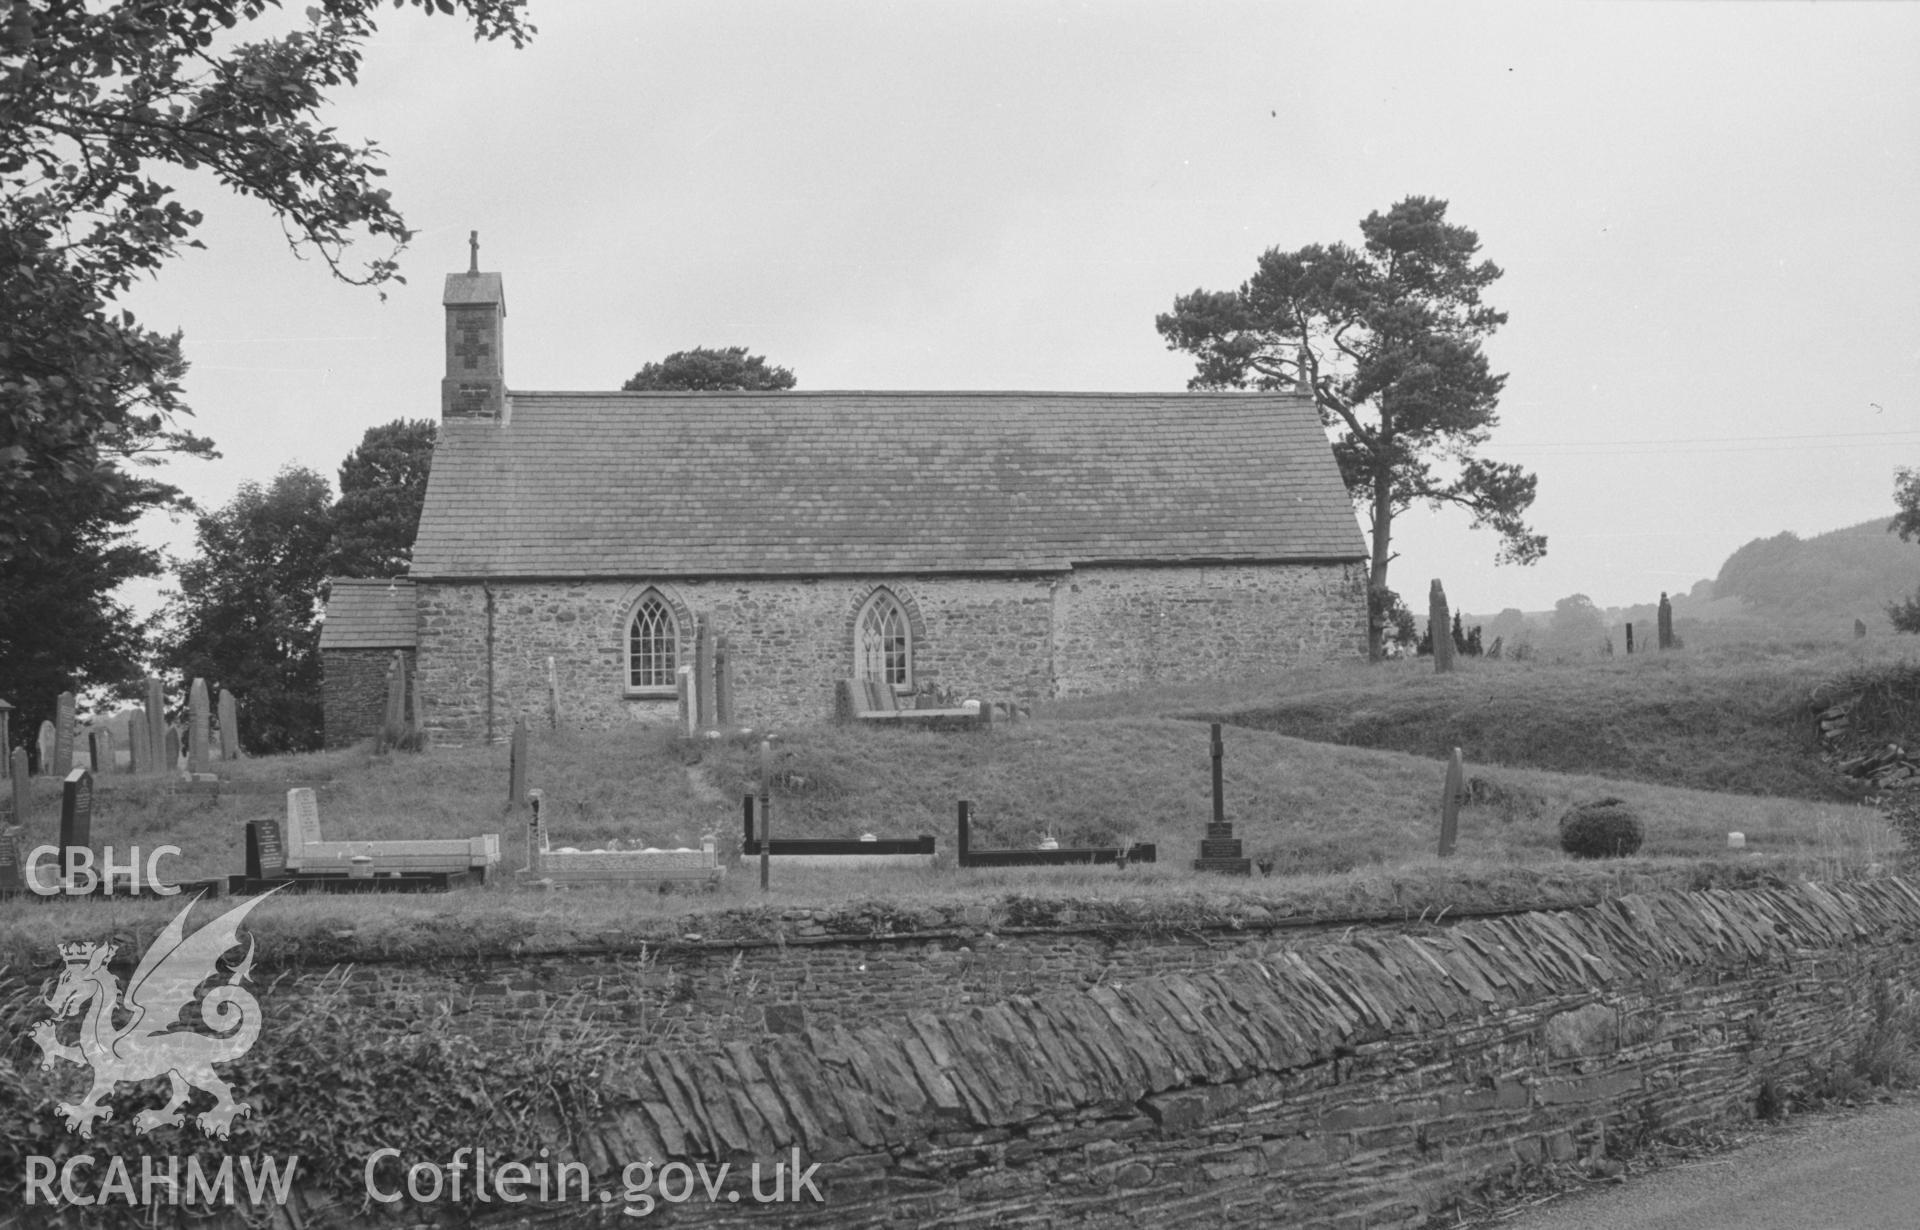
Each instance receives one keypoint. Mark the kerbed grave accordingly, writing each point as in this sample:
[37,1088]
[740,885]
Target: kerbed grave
[301,859]
[647,868]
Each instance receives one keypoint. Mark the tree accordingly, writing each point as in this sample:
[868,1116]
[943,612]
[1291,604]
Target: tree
[96,100]
[702,369]
[383,484]
[1906,499]
[1386,340]
[1576,627]
[246,616]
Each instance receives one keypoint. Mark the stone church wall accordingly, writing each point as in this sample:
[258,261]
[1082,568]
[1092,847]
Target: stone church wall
[788,640]
[353,693]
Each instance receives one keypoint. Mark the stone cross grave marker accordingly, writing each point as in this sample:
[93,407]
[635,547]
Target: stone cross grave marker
[76,813]
[156,757]
[170,750]
[199,710]
[1220,850]
[229,726]
[63,734]
[44,749]
[12,874]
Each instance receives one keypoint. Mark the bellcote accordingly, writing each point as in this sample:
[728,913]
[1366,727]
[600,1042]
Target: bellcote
[475,384]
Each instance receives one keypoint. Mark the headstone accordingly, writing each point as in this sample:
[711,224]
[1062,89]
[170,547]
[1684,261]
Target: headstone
[6,736]
[44,749]
[1859,631]
[396,718]
[416,721]
[553,696]
[1629,640]
[76,812]
[1440,623]
[12,874]
[137,743]
[170,751]
[1220,850]
[1666,623]
[536,830]
[200,713]
[517,765]
[303,816]
[722,684]
[18,763]
[703,671]
[266,853]
[63,734]
[100,747]
[689,708]
[156,757]
[1450,803]
[229,726]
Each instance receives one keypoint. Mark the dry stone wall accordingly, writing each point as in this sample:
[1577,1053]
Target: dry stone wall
[787,641]
[1343,1084]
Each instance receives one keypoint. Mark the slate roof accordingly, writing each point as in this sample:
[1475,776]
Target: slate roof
[764,484]
[369,614]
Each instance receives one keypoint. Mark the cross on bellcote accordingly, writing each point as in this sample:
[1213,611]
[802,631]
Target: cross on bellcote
[473,251]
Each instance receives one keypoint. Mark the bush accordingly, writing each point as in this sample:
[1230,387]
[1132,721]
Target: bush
[1604,828]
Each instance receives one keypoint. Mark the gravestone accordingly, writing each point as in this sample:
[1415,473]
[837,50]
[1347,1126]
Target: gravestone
[1220,850]
[303,816]
[553,696]
[229,726]
[396,718]
[6,736]
[18,762]
[76,812]
[100,748]
[170,751]
[517,764]
[200,712]
[703,671]
[266,853]
[43,750]
[63,734]
[1450,803]
[1859,631]
[1440,627]
[1629,640]
[12,874]
[137,742]
[536,830]
[156,757]
[1666,623]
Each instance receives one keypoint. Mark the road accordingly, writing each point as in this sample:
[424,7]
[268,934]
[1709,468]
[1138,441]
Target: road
[1848,1170]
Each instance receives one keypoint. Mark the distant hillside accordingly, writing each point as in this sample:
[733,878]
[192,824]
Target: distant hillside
[1817,585]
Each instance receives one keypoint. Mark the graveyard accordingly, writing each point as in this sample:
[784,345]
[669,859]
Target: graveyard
[1322,825]
[589,931]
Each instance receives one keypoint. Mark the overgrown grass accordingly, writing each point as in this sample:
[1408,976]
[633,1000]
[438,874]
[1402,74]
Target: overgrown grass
[1737,718]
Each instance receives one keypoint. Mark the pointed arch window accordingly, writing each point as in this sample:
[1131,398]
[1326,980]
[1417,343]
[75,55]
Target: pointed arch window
[883,642]
[653,647]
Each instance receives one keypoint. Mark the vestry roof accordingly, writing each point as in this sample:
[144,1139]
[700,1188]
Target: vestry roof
[691,484]
[369,614]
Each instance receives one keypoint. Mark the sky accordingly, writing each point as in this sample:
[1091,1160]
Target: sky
[1708,216]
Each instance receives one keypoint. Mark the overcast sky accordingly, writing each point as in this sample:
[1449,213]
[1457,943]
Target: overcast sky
[1707,215]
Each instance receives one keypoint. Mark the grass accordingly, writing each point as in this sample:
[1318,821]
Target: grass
[1736,718]
[1348,829]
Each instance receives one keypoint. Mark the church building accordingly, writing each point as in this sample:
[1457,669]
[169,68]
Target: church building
[995,546]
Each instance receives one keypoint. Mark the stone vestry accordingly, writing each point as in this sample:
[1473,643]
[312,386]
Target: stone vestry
[368,621]
[1000,546]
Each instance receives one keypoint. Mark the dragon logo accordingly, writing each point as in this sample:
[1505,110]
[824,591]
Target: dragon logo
[154,1041]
